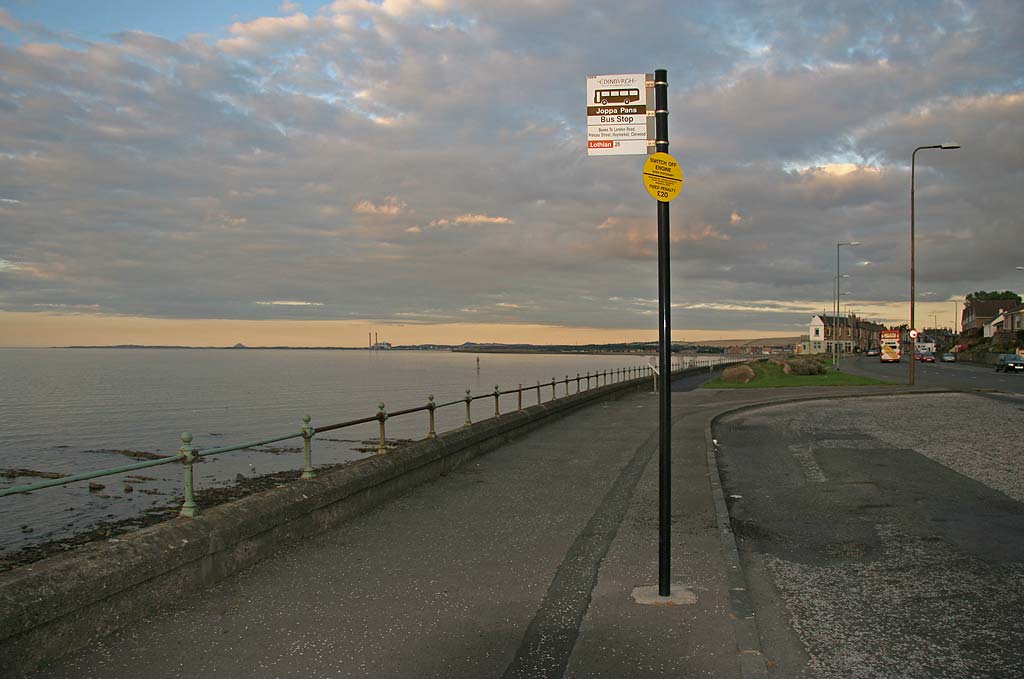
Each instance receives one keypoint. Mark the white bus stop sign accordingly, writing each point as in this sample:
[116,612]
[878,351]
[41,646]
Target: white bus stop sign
[617,115]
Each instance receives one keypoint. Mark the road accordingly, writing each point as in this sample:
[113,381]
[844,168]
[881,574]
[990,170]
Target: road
[883,537]
[942,375]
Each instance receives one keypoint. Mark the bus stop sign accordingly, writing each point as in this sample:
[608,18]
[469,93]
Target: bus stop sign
[617,115]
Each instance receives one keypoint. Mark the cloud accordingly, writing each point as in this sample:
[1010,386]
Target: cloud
[288,303]
[9,22]
[253,36]
[357,153]
[471,220]
[389,206]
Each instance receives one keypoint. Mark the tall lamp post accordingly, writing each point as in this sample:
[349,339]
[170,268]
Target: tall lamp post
[913,160]
[835,318]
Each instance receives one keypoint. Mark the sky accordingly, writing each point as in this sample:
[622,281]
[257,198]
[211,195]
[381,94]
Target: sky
[305,173]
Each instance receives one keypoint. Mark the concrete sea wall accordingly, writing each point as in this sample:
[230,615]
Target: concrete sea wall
[60,604]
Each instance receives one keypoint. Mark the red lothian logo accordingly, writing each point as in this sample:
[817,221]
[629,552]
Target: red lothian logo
[602,144]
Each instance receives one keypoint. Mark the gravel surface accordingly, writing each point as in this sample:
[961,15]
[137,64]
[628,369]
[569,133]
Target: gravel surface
[852,616]
[981,438]
[885,534]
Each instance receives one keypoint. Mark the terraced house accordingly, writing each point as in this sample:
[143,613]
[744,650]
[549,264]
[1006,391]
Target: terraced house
[853,334]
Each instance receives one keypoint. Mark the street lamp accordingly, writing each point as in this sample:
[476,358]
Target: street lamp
[835,319]
[913,160]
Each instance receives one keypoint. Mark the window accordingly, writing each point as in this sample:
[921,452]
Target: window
[817,332]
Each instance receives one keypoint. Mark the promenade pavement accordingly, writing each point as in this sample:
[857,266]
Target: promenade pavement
[521,563]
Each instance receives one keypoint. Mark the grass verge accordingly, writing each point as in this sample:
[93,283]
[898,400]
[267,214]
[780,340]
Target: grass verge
[768,375]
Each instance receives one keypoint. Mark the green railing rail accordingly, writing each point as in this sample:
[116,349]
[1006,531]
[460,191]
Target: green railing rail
[187,455]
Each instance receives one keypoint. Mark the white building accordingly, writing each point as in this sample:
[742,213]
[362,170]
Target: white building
[854,334]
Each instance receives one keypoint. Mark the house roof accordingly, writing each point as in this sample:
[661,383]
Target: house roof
[988,308]
[844,321]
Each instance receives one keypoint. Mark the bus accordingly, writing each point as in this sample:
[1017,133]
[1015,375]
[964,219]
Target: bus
[620,96]
[890,345]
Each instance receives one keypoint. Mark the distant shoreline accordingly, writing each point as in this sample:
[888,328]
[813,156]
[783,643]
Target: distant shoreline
[623,349]
[454,350]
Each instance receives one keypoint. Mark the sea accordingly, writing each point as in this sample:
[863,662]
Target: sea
[69,411]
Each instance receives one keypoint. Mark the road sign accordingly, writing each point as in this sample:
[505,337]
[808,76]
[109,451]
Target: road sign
[913,334]
[663,177]
[617,115]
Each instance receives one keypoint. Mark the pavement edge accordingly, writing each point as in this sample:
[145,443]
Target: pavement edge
[748,638]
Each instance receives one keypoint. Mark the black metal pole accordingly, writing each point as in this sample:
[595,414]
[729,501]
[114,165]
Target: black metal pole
[913,292]
[665,348]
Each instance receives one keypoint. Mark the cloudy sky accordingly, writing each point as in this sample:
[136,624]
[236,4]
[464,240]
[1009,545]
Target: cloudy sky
[301,173]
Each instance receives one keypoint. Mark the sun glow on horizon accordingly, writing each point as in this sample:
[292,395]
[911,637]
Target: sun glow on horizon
[40,329]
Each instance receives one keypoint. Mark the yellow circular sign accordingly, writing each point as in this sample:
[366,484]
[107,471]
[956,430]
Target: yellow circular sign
[663,177]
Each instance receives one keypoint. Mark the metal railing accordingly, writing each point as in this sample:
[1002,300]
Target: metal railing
[187,455]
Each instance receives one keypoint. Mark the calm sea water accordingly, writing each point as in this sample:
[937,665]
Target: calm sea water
[75,410]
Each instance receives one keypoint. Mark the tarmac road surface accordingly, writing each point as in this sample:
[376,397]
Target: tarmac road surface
[943,375]
[882,538]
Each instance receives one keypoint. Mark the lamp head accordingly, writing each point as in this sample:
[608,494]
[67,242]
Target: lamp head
[949,145]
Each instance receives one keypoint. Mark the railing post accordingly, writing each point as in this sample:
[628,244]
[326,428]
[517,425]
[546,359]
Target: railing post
[188,509]
[588,380]
[430,409]
[538,392]
[381,416]
[553,396]
[577,383]
[566,385]
[469,399]
[497,393]
[307,448]
[520,394]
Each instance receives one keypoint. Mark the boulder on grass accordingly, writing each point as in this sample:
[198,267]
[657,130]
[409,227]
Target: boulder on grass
[799,366]
[741,374]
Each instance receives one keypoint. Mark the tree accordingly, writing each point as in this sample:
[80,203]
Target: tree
[981,295]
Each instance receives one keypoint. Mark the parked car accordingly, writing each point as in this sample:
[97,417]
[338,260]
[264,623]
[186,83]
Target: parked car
[873,352]
[917,356]
[1010,363]
[927,357]
[948,358]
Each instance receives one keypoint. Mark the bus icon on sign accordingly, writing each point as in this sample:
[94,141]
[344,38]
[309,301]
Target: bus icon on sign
[620,96]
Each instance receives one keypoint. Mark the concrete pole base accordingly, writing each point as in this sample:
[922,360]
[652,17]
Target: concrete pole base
[678,596]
